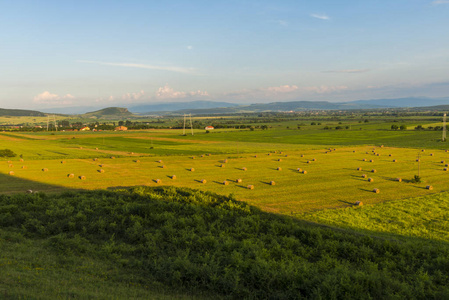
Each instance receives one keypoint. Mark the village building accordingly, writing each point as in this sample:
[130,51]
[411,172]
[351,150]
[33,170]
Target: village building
[121,128]
[209,128]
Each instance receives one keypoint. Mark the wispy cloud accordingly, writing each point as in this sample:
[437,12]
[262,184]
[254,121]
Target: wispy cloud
[141,66]
[166,92]
[348,71]
[437,2]
[320,16]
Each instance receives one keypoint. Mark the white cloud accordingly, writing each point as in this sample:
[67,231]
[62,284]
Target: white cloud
[282,23]
[133,96]
[166,92]
[189,47]
[323,89]
[142,66]
[49,98]
[282,88]
[320,16]
[437,2]
[348,71]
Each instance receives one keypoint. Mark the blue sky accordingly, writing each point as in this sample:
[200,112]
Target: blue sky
[104,53]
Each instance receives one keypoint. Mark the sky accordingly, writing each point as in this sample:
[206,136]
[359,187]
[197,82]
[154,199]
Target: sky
[124,53]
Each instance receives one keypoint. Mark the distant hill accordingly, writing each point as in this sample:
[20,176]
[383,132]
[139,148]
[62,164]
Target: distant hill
[20,113]
[174,106]
[110,112]
[404,102]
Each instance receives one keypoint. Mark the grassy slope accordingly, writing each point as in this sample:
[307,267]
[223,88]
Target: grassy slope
[122,244]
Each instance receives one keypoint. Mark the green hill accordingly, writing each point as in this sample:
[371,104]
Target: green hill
[143,242]
[108,113]
[20,113]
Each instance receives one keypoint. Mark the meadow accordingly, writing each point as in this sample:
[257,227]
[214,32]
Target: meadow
[224,162]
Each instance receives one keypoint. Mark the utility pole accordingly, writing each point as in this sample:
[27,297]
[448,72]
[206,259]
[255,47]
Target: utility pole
[54,120]
[444,128]
[48,120]
[191,125]
[184,128]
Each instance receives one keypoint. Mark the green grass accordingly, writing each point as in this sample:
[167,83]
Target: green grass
[425,217]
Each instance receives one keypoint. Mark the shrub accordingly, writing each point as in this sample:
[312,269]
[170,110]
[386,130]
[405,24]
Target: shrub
[7,153]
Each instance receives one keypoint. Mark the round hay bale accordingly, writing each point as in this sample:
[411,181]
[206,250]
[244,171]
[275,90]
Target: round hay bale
[208,154]
[373,171]
[418,160]
[29,191]
[158,181]
[24,167]
[137,161]
[239,180]
[82,177]
[443,162]
[359,169]
[423,150]
[378,154]
[398,179]
[202,156]
[244,169]
[21,160]
[173,177]
[159,161]
[299,170]
[269,154]
[225,161]
[371,160]
[308,161]
[101,171]
[203,181]
[364,176]
[389,155]
[222,165]
[193,157]
[96,148]
[304,172]
[131,153]
[250,187]
[163,166]
[101,166]
[353,151]
[255,156]
[44,170]
[429,187]
[272,183]
[112,157]
[281,152]
[302,155]
[364,159]
[286,155]
[71,175]
[11,173]
[377,191]
[446,165]
[95,159]
[370,179]
[359,203]
[445,169]
[431,154]
[11,166]
[192,170]
[9,162]
[381,146]
[314,159]
[225,182]
[279,169]
[81,147]
[395,160]
[62,161]
[279,159]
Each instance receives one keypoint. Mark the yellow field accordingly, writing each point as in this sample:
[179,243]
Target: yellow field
[331,181]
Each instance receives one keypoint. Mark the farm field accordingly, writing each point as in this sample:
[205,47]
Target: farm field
[109,160]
